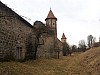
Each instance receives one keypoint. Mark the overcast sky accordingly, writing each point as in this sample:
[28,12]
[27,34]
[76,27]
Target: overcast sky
[76,18]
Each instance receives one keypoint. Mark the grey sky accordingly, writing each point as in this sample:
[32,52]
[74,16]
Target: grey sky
[76,18]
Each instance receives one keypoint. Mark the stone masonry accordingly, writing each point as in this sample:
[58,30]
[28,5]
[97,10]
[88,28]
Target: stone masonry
[18,38]
[14,32]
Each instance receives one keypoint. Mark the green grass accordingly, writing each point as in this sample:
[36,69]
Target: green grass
[86,63]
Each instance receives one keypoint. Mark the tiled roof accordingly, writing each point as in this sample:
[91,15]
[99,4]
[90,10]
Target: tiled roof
[51,15]
[63,36]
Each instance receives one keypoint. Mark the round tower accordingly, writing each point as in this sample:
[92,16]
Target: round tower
[63,39]
[51,22]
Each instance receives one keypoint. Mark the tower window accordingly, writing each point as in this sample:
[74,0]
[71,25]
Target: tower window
[53,23]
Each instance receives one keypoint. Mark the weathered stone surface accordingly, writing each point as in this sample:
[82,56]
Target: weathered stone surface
[20,40]
[14,32]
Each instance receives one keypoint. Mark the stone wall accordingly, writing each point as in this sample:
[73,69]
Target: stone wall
[50,46]
[18,38]
[14,34]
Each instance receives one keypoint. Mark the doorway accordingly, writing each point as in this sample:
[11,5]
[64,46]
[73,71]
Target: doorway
[18,52]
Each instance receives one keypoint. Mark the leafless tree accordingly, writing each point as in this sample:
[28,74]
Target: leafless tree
[74,48]
[66,49]
[82,45]
[40,30]
[90,41]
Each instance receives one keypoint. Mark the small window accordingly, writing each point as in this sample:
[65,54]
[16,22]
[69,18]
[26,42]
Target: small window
[53,23]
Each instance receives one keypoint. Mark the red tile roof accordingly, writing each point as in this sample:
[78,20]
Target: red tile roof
[63,36]
[51,15]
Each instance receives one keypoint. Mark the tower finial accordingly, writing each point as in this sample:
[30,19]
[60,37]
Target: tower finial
[50,8]
[50,15]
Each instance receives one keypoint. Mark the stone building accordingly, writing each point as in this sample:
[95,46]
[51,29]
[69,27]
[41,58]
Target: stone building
[63,39]
[96,44]
[14,34]
[20,40]
[52,45]
[65,46]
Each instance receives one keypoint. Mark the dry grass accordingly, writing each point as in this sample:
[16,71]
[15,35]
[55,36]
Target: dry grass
[87,63]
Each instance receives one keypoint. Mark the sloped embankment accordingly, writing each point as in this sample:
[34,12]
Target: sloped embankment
[86,63]
[90,61]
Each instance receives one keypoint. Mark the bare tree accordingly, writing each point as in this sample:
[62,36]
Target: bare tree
[94,40]
[90,41]
[41,28]
[66,49]
[82,45]
[74,48]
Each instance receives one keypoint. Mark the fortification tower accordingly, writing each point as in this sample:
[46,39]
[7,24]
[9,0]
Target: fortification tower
[63,39]
[51,23]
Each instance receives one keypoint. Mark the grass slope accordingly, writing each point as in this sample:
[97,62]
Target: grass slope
[87,63]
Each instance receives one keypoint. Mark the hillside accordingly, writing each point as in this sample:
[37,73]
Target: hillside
[86,63]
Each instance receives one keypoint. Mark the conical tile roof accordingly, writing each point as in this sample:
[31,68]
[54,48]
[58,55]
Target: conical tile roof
[63,36]
[51,15]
